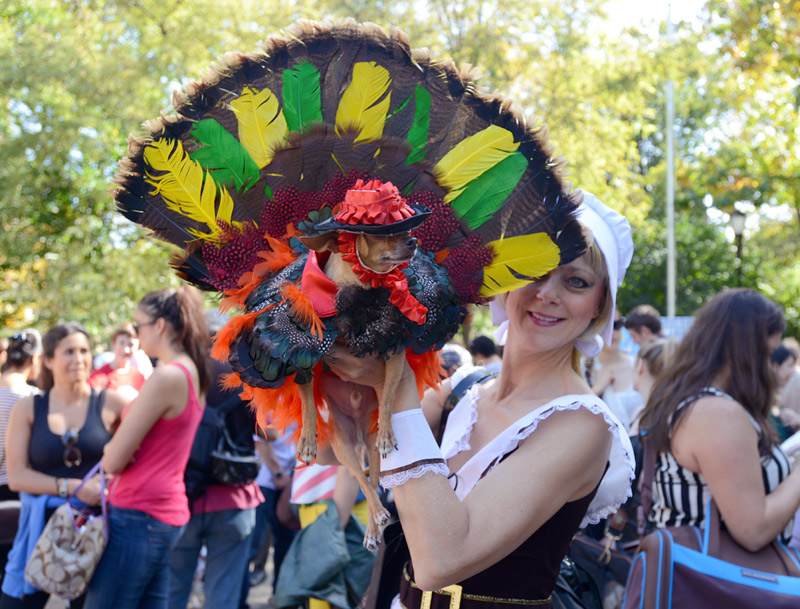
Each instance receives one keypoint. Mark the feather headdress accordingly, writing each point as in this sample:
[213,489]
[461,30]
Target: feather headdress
[267,145]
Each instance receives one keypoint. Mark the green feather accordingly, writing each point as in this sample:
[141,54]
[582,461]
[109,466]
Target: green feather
[302,101]
[418,134]
[224,156]
[484,195]
[399,108]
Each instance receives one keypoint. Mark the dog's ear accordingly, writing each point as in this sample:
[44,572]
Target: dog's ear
[319,243]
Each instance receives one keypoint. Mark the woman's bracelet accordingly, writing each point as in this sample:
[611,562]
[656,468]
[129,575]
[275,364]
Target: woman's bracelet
[416,453]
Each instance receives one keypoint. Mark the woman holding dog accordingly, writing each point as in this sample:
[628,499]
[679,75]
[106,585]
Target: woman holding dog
[526,459]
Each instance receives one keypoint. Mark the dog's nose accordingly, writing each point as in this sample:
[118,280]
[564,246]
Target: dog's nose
[412,242]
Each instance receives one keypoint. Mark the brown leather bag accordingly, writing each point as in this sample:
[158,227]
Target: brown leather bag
[696,568]
[69,548]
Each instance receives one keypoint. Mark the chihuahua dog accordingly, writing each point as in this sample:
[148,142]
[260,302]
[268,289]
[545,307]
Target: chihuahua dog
[351,438]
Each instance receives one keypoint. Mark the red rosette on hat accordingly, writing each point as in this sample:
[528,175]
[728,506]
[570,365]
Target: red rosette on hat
[375,208]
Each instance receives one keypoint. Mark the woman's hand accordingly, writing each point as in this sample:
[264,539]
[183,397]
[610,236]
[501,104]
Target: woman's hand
[90,492]
[367,371]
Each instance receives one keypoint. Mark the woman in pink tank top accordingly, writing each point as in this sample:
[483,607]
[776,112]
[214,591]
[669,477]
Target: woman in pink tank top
[149,453]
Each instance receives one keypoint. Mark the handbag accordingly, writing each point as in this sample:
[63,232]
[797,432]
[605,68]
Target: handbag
[71,545]
[688,567]
[596,571]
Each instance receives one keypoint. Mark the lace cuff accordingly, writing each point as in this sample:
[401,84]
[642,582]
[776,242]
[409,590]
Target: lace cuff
[395,478]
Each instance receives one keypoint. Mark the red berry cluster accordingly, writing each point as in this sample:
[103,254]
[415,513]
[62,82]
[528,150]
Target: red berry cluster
[436,230]
[290,205]
[237,254]
[465,265]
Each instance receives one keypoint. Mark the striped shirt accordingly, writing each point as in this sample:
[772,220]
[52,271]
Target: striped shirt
[313,483]
[680,496]
[8,397]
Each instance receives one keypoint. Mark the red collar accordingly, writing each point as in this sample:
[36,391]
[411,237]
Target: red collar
[320,288]
[394,281]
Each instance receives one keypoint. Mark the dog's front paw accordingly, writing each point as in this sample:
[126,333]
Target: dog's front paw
[372,540]
[386,443]
[382,517]
[307,449]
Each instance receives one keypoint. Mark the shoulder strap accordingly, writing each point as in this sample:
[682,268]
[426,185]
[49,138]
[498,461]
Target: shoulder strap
[40,401]
[96,399]
[648,474]
[479,376]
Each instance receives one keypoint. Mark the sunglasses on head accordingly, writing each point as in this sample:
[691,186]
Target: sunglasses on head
[21,338]
[72,454]
[619,323]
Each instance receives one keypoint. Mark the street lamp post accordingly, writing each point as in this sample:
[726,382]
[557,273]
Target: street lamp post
[737,224]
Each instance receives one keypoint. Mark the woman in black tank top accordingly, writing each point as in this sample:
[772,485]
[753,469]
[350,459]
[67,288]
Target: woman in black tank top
[53,441]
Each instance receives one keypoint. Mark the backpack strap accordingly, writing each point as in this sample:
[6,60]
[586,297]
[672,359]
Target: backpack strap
[479,376]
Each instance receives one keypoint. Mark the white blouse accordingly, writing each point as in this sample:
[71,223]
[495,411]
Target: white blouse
[615,486]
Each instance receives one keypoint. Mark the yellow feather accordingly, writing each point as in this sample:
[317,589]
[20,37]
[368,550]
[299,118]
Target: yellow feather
[361,107]
[471,157]
[262,125]
[516,260]
[185,187]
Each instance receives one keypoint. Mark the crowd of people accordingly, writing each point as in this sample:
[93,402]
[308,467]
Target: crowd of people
[552,405]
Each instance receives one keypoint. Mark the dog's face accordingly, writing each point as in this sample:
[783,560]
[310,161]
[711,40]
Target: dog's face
[382,253]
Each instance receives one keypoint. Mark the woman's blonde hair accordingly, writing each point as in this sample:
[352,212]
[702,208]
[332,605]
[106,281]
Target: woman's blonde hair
[597,261]
[657,354]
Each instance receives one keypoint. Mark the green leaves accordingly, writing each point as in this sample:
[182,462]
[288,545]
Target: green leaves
[224,156]
[484,195]
[302,104]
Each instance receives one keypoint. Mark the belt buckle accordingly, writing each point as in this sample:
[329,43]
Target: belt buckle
[454,591]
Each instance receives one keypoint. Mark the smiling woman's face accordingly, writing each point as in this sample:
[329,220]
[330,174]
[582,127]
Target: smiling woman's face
[72,359]
[556,309]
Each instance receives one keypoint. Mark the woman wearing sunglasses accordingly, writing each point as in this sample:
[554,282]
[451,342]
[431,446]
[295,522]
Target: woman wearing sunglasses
[149,453]
[52,442]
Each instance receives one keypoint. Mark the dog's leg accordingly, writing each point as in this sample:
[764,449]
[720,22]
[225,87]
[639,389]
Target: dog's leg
[307,446]
[347,454]
[382,516]
[394,370]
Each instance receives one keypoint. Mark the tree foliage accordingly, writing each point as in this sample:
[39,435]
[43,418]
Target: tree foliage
[80,75]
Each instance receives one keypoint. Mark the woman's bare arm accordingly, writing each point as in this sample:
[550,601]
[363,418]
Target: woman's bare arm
[451,540]
[166,388]
[718,440]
